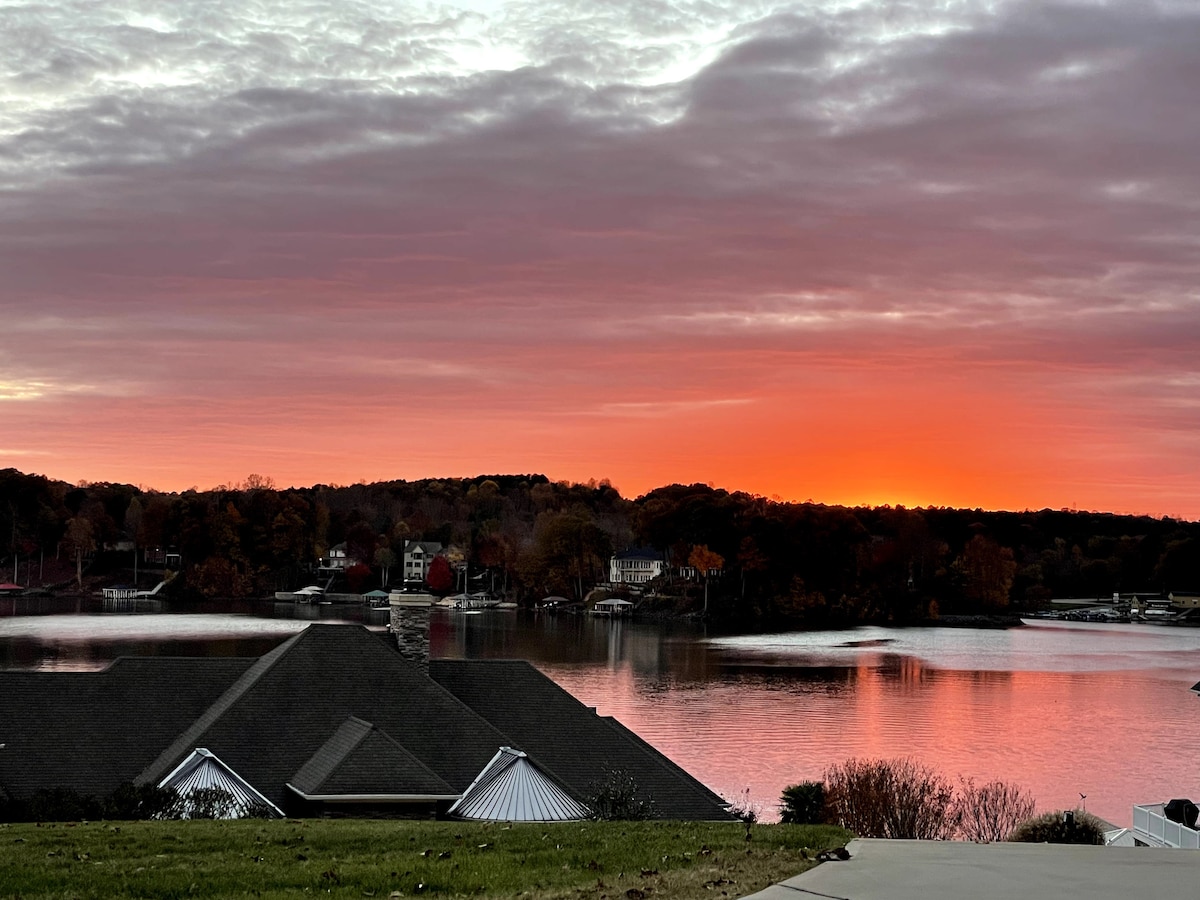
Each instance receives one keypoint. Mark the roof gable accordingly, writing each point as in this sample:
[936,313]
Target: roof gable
[359,759]
[203,771]
[285,708]
[512,788]
[569,740]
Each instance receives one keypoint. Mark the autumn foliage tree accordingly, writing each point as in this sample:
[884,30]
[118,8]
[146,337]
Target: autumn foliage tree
[440,576]
[705,562]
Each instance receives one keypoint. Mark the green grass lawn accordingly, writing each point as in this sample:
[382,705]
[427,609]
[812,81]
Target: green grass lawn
[389,859]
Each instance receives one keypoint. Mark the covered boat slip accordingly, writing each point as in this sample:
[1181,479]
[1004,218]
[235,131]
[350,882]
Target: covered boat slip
[613,607]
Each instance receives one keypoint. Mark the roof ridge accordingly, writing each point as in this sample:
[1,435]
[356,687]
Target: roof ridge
[326,758]
[219,707]
[316,771]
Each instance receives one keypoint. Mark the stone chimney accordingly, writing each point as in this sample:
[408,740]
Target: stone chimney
[410,625]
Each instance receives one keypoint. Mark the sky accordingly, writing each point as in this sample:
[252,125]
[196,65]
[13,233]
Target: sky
[912,253]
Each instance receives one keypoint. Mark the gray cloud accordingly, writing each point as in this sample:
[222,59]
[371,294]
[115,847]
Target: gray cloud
[1009,184]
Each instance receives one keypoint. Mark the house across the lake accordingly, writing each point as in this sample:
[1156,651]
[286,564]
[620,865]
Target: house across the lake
[417,557]
[336,560]
[333,721]
[635,566]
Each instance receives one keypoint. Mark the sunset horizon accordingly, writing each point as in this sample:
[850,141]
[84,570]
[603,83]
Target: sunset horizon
[842,252]
[639,490]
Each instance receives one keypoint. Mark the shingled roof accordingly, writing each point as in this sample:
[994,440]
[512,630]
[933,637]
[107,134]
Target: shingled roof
[90,732]
[359,760]
[294,700]
[331,715]
[569,739]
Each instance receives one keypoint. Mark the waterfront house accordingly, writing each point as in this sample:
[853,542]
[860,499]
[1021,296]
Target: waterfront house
[336,560]
[417,557]
[335,720]
[635,566]
[169,557]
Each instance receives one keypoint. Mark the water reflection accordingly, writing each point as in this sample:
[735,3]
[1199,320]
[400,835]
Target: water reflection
[1095,709]
[88,633]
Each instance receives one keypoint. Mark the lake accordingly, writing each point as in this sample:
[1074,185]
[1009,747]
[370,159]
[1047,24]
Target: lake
[1064,709]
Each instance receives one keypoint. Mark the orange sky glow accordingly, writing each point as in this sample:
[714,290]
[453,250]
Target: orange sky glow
[837,252]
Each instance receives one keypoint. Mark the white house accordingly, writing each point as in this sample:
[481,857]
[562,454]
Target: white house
[417,557]
[636,565]
[336,559]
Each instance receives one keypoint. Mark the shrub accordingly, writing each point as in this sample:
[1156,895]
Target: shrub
[142,802]
[208,803]
[1062,827]
[745,809]
[896,798]
[61,805]
[803,804]
[616,796]
[990,812]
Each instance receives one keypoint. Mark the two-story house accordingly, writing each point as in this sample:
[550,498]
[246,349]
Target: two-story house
[637,565]
[417,557]
[336,559]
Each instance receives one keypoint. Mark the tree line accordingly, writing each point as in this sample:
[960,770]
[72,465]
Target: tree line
[747,557]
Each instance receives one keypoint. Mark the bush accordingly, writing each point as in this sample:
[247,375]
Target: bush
[803,804]
[616,796]
[61,805]
[745,809]
[129,802]
[897,798]
[991,812]
[141,802]
[1062,827]
[901,798]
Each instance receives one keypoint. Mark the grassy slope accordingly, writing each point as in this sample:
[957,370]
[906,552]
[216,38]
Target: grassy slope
[355,858]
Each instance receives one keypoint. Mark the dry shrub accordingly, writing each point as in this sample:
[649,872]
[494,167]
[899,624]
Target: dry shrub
[893,798]
[990,812]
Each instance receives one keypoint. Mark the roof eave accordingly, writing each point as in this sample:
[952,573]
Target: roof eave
[378,798]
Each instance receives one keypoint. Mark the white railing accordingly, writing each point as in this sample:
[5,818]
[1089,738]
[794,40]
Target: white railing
[1155,828]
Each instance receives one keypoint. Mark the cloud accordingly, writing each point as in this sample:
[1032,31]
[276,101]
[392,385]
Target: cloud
[703,199]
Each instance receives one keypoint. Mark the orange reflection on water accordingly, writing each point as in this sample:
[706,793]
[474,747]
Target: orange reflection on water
[1119,738]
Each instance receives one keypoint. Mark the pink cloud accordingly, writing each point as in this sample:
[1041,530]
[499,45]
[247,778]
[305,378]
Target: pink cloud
[947,257]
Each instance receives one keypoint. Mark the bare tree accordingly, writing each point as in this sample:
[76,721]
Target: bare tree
[992,811]
[81,538]
[890,798]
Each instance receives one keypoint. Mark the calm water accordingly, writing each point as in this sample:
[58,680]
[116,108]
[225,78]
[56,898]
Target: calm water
[1062,710]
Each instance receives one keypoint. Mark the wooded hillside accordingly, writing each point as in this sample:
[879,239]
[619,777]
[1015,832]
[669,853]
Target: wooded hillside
[531,537]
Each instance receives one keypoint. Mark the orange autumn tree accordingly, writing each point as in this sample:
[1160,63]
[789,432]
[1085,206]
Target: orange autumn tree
[705,561]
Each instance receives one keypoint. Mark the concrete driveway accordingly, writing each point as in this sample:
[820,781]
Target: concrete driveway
[952,870]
